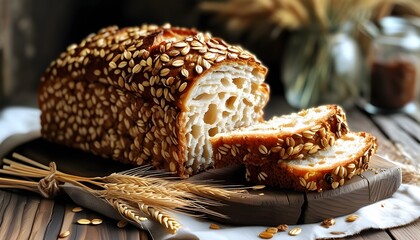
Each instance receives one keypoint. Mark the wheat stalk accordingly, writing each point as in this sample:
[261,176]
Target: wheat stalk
[242,15]
[132,193]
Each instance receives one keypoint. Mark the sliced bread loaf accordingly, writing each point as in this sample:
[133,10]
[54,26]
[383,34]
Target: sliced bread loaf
[292,136]
[324,170]
[151,95]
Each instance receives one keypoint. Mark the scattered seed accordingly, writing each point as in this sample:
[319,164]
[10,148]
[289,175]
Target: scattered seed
[266,235]
[352,218]
[64,234]
[83,221]
[258,187]
[214,226]
[328,222]
[122,223]
[77,209]
[282,227]
[272,230]
[96,221]
[295,231]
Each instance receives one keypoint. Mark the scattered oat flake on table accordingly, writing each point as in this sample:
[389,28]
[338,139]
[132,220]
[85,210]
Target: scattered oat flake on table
[295,231]
[352,218]
[83,221]
[266,235]
[328,222]
[122,224]
[77,209]
[272,230]
[64,234]
[258,187]
[214,226]
[96,221]
[282,227]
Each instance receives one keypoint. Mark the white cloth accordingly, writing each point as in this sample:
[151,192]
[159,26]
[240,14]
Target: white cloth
[402,208]
[19,120]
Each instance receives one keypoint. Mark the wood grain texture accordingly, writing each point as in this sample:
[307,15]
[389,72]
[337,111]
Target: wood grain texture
[376,184]
[371,234]
[411,231]
[264,207]
[408,124]
[26,215]
[398,135]
[344,200]
[44,214]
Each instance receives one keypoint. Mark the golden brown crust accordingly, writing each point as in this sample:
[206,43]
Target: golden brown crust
[282,175]
[256,149]
[120,93]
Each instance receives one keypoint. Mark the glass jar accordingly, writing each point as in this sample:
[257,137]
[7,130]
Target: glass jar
[394,65]
[322,67]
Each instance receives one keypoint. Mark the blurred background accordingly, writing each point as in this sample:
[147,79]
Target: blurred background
[317,51]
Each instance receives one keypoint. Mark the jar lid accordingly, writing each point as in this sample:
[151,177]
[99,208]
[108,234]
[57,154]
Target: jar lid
[398,32]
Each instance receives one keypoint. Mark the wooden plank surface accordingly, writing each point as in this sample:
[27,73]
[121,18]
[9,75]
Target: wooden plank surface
[372,234]
[411,231]
[397,134]
[28,216]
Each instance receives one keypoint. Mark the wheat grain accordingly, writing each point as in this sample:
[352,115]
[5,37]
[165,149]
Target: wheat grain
[160,216]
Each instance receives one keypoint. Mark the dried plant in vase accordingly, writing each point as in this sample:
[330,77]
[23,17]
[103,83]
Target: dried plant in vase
[137,194]
[322,62]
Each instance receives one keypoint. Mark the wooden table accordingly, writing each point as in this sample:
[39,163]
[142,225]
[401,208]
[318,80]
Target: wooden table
[28,216]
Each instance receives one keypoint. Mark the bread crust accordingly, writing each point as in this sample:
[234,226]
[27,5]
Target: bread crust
[258,148]
[282,175]
[121,93]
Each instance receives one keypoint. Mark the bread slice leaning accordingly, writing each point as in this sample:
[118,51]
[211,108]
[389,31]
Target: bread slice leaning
[324,170]
[292,136]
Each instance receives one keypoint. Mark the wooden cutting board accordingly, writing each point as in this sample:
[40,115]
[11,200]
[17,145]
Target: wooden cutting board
[267,207]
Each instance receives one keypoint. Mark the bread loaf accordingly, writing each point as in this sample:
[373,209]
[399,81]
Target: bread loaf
[292,136]
[151,95]
[324,170]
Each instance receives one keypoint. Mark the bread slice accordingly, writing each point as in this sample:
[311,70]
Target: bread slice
[292,136]
[324,170]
